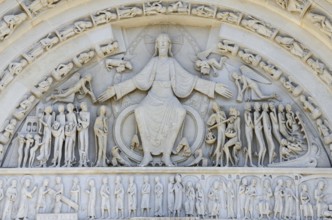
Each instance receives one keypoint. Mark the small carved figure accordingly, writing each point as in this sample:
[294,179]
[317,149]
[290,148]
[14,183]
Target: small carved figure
[249,132]
[324,130]
[145,192]
[274,122]
[48,42]
[305,203]
[75,192]
[251,194]
[129,12]
[119,65]
[249,57]
[264,202]
[200,201]
[28,144]
[33,150]
[83,122]
[322,22]
[183,147]
[293,46]
[282,123]
[259,134]
[310,106]
[59,136]
[103,17]
[92,193]
[117,159]
[205,66]
[170,195]
[229,189]
[119,197]
[101,132]
[46,124]
[43,192]
[83,87]
[274,71]
[203,11]
[9,23]
[227,46]
[26,195]
[229,16]
[189,203]
[178,190]
[243,197]
[158,193]
[267,128]
[8,132]
[21,142]
[83,58]
[246,84]
[132,197]
[178,7]
[154,7]
[233,134]
[321,70]
[24,107]
[41,88]
[214,200]
[13,69]
[77,28]
[38,5]
[279,199]
[11,196]
[319,197]
[108,49]
[290,198]
[217,119]
[105,199]
[62,71]
[289,150]
[70,137]
[258,26]
[292,87]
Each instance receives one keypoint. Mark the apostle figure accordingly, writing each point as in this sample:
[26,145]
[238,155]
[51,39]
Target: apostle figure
[166,81]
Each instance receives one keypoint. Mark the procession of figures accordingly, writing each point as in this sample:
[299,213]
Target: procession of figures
[120,197]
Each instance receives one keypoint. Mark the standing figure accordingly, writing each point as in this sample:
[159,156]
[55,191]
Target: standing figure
[279,199]
[21,142]
[42,199]
[11,196]
[275,122]
[251,198]
[83,122]
[267,128]
[158,199]
[58,134]
[146,191]
[178,190]
[105,199]
[70,136]
[75,192]
[305,203]
[71,118]
[233,133]
[249,130]
[92,193]
[282,123]
[230,200]
[217,119]
[37,144]
[200,201]
[119,197]
[264,203]
[28,144]
[166,81]
[319,197]
[243,197]
[132,197]
[214,200]
[290,198]
[259,134]
[101,131]
[26,195]
[170,195]
[45,150]
[2,194]
[189,203]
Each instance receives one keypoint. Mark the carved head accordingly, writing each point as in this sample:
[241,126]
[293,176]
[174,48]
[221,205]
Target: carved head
[91,183]
[163,46]
[46,181]
[215,107]
[14,183]
[61,108]
[171,179]
[321,185]
[257,106]
[75,181]
[84,107]
[271,105]
[244,181]
[146,179]
[280,107]
[48,110]
[105,180]
[102,110]
[178,178]
[265,106]
[70,107]
[247,106]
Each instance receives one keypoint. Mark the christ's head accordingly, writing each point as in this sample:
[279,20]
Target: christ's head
[163,46]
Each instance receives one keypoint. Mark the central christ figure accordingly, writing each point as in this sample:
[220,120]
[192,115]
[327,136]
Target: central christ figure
[160,115]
